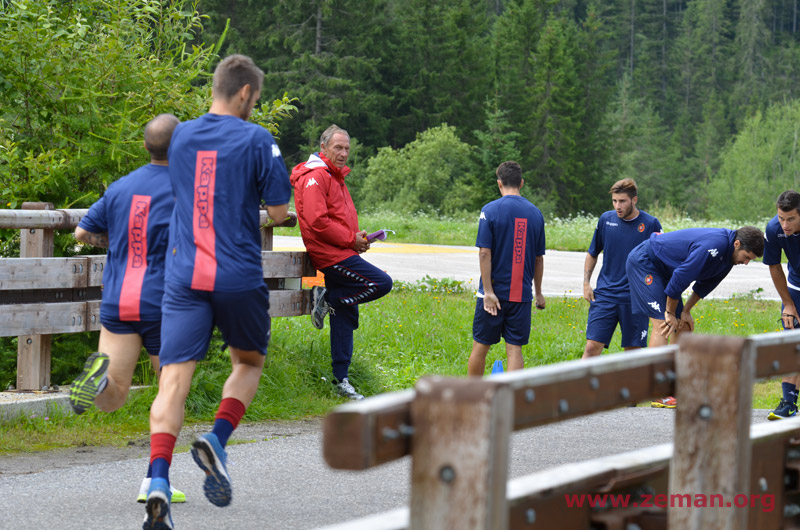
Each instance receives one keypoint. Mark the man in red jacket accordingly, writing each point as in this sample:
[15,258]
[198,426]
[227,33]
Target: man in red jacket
[329,226]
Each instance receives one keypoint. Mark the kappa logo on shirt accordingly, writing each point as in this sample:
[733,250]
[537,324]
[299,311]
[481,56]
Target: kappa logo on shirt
[644,334]
[312,182]
[276,152]
[483,216]
[713,252]
[609,223]
[655,305]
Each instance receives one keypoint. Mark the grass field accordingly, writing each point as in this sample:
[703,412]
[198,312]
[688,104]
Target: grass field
[419,329]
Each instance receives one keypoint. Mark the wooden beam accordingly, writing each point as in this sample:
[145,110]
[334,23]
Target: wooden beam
[42,319]
[289,303]
[38,273]
[712,423]
[286,264]
[459,466]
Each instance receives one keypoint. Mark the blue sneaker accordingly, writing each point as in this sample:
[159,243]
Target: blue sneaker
[786,409]
[158,516]
[210,456]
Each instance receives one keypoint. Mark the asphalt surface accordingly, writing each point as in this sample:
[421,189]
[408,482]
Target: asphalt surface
[281,481]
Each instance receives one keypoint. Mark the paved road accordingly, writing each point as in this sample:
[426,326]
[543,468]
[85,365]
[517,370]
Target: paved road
[563,271]
[283,483]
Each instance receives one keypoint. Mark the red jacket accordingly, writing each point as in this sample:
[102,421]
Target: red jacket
[325,210]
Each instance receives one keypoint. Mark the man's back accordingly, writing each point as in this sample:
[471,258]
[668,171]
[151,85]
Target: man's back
[221,167]
[513,229]
[135,211]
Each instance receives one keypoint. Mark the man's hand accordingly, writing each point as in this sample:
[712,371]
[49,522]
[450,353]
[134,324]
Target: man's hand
[670,324]
[788,316]
[687,321]
[588,292]
[491,304]
[361,244]
[540,301]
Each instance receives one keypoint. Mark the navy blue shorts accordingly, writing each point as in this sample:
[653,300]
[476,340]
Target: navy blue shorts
[150,332]
[189,316]
[604,315]
[512,322]
[795,295]
[647,281]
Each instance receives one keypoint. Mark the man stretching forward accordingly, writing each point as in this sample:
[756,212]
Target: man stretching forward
[132,221]
[618,232]
[511,257]
[329,226]
[664,266]
[221,167]
[783,235]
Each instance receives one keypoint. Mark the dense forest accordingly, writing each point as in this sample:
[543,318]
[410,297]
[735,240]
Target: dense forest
[695,99]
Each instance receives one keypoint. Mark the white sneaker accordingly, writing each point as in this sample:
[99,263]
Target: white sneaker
[346,389]
[177,495]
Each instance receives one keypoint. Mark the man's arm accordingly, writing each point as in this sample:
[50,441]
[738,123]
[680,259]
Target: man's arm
[490,302]
[588,268]
[779,281]
[90,238]
[278,213]
[538,272]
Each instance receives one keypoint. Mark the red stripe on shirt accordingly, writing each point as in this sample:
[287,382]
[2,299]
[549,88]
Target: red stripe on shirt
[518,264]
[130,296]
[205,259]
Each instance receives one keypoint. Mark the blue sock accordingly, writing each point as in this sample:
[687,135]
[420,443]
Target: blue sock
[789,392]
[222,429]
[160,468]
[149,471]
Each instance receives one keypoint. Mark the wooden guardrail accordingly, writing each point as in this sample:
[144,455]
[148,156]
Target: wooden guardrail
[41,295]
[457,432]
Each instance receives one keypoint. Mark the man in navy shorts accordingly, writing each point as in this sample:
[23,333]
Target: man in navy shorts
[618,232]
[512,245]
[662,268]
[131,220]
[783,235]
[329,226]
[221,168]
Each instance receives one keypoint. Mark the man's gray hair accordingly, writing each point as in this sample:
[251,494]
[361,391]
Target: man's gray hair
[328,133]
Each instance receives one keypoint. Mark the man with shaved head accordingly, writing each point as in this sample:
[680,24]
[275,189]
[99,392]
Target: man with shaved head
[131,220]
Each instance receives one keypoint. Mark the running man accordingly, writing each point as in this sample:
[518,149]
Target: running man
[512,245]
[131,220]
[662,268]
[783,235]
[221,167]
[329,226]
[618,232]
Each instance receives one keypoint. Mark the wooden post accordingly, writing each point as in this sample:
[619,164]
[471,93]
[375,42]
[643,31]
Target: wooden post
[33,351]
[460,446]
[712,433]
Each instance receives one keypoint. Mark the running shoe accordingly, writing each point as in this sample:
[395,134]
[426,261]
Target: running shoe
[210,456]
[157,513]
[319,306]
[177,495]
[91,382]
[346,389]
[786,409]
[668,402]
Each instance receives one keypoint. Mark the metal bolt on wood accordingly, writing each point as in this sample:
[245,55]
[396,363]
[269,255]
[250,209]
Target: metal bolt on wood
[624,393]
[776,365]
[594,383]
[447,474]
[705,412]
[762,484]
[670,375]
[530,395]
[563,406]
[660,377]
[530,516]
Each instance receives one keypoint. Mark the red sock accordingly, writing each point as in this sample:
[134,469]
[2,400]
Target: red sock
[231,409]
[161,446]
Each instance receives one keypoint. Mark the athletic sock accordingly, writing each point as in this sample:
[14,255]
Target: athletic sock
[789,392]
[229,414]
[149,471]
[162,445]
